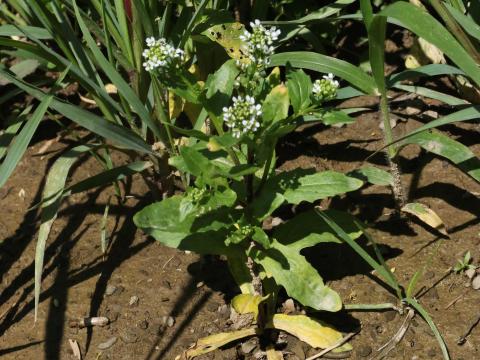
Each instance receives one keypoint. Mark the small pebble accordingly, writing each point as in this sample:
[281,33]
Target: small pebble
[107,344]
[200,284]
[110,290]
[133,301]
[364,350]
[470,273]
[168,320]
[476,282]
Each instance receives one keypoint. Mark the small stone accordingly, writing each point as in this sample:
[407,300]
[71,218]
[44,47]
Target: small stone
[107,344]
[133,300]
[200,284]
[168,320]
[110,290]
[364,350]
[143,324]
[470,272]
[476,282]
[410,110]
[247,347]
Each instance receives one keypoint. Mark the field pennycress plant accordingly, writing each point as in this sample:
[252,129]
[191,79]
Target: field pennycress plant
[233,185]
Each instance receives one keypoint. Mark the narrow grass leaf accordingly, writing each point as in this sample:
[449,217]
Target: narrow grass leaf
[326,64]
[116,78]
[426,316]
[54,185]
[456,152]
[18,147]
[118,134]
[432,94]
[9,133]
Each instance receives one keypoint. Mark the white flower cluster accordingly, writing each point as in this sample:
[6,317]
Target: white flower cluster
[161,55]
[242,116]
[326,88]
[259,43]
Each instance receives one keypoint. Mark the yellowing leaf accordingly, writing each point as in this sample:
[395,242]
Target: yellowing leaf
[228,36]
[213,342]
[175,105]
[313,332]
[427,215]
[247,303]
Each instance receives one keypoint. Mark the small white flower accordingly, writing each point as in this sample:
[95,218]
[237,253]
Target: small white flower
[242,116]
[326,88]
[259,43]
[160,55]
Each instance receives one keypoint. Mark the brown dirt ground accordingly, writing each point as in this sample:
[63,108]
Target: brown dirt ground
[192,289]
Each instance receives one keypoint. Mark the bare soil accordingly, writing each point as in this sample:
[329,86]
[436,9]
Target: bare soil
[195,292]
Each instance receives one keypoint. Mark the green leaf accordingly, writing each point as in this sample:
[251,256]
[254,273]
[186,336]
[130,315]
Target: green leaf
[307,229]
[9,133]
[203,234]
[51,200]
[426,26]
[17,149]
[12,30]
[21,70]
[440,144]
[88,120]
[423,71]
[116,78]
[220,87]
[373,175]
[330,117]
[432,94]
[275,105]
[325,64]
[300,280]
[319,186]
[299,87]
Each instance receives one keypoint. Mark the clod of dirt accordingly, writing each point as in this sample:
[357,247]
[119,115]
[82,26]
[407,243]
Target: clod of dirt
[107,344]
[364,350]
[389,315]
[129,336]
[288,306]
[143,324]
[133,300]
[110,290]
[476,282]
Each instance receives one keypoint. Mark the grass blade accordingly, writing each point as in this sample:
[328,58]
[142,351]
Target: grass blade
[326,64]
[116,78]
[426,26]
[88,120]
[54,185]
[12,129]
[17,149]
[432,94]
[426,316]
